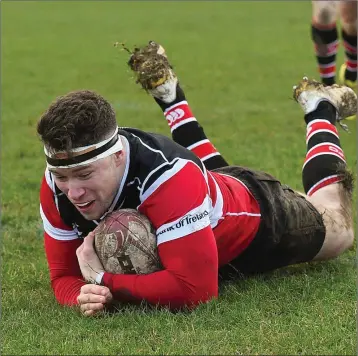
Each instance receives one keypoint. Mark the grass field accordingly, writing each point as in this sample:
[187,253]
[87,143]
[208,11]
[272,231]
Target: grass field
[237,62]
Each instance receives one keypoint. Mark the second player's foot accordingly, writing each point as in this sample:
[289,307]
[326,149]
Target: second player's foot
[349,83]
[309,93]
[154,72]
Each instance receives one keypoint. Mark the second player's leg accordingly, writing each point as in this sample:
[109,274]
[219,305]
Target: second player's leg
[348,14]
[325,38]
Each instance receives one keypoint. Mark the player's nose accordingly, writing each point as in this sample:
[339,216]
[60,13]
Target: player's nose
[75,193]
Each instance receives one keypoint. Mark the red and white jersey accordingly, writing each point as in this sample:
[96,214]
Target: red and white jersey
[202,220]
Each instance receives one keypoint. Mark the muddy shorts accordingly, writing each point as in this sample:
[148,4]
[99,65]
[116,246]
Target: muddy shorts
[291,229]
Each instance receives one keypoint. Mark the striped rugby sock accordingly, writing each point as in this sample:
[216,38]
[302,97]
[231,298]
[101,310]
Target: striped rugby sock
[325,39]
[350,50]
[324,152]
[187,132]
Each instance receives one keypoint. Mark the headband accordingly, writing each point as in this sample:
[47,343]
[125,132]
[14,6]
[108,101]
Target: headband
[84,155]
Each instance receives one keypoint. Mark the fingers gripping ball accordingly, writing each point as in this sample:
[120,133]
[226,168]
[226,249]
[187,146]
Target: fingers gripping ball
[126,244]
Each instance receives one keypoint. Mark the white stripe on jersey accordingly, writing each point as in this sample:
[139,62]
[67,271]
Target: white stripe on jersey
[179,164]
[56,233]
[242,183]
[49,180]
[120,189]
[51,183]
[241,213]
[166,162]
[150,148]
[194,220]
[216,212]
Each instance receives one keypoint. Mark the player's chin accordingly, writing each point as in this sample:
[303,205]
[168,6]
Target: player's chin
[93,212]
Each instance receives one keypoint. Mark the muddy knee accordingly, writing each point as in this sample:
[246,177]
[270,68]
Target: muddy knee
[339,235]
[335,205]
[349,239]
[336,242]
[342,242]
[324,12]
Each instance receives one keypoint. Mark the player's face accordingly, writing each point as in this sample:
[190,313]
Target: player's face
[92,188]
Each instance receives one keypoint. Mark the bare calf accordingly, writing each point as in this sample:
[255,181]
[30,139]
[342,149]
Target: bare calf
[335,204]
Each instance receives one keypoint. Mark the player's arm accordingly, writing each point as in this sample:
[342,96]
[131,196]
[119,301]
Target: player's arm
[187,248]
[61,242]
[65,275]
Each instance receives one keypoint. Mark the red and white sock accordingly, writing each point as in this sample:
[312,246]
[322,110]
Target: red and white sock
[187,132]
[324,152]
[325,39]
[184,127]
[350,50]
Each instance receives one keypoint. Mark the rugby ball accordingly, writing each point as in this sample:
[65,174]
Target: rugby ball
[125,243]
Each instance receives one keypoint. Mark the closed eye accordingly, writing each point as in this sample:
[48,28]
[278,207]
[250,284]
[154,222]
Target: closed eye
[85,175]
[60,178]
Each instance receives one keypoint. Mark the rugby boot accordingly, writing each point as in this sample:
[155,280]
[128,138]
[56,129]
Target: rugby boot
[309,93]
[349,83]
[154,72]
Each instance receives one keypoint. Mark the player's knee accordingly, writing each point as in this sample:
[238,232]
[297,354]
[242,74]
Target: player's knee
[348,239]
[339,243]
[345,241]
[350,28]
[348,12]
[324,13]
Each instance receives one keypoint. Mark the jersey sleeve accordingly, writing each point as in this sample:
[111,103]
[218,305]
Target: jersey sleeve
[61,242]
[178,205]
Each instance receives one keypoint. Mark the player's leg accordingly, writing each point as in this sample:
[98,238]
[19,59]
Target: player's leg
[296,228]
[348,71]
[325,38]
[156,76]
[326,180]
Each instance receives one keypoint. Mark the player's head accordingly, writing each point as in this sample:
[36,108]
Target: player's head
[83,150]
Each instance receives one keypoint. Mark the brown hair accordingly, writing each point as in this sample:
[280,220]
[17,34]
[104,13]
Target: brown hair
[77,119]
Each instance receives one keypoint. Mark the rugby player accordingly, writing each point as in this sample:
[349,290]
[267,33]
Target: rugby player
[246,221]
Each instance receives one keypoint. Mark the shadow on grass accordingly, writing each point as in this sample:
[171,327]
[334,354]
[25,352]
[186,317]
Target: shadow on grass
[319,268]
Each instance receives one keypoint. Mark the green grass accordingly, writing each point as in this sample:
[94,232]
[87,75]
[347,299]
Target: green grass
[237,62]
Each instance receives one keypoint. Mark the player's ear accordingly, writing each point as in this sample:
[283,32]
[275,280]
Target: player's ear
[118,158]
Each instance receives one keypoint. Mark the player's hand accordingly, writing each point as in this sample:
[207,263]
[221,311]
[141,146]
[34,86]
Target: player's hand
[88,260]
[93,299]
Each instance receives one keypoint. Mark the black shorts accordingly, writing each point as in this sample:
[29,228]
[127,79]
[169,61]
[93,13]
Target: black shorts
[291,229]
